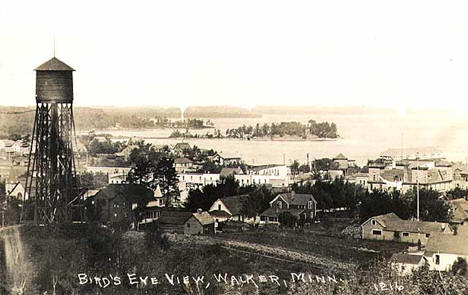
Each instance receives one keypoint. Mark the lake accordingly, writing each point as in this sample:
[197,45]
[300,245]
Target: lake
[363,136]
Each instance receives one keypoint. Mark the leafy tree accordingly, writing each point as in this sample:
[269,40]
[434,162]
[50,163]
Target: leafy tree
[304,168]
[92,180]
[295,167]
[459,267]
[431,206]
[198,199]
[335,194]
[257,201]
[287,219]
[380,202]
[457,193]
[154,167]
[324,164]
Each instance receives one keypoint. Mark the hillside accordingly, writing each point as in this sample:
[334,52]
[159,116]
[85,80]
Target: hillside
[87,259]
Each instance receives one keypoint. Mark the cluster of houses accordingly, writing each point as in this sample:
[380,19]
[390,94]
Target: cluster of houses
[136,206]
[437,244]
[14,150]
[430,171]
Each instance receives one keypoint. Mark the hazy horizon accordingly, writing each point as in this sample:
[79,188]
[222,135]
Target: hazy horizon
[372,53]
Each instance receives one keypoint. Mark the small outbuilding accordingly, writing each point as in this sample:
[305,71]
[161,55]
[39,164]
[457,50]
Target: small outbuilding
[199,223]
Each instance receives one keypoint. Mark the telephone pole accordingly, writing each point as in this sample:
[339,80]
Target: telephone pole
[417,186]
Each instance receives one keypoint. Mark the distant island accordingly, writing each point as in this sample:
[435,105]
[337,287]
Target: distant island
[274,131]
[286,129]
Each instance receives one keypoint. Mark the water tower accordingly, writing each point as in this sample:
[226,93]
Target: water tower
[51,177]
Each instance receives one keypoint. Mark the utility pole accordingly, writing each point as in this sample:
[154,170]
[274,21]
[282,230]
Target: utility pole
[417,186]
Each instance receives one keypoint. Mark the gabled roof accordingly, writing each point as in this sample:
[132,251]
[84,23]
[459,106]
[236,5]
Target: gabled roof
[448,244]
[393,175]
[295,199]
[132,192]
[392,222]
[386,219]
[204,218]
[233,204]
[406,258]
[54,64]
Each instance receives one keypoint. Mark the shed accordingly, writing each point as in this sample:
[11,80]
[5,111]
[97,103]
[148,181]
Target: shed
[173,221]
[199,223]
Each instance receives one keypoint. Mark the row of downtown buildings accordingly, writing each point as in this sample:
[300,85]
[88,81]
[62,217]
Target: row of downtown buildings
[440,246]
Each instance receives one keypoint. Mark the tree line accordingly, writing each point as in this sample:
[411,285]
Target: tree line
[320,130]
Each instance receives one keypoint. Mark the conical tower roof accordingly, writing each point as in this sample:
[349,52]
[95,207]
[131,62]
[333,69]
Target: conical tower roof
[54,64]
[157,192]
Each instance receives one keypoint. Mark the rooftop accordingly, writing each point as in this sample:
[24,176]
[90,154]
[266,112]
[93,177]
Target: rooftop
[234,203]
[447,243]
[392,222]
[54,64]
[204,218]
[297,199]
[406,258]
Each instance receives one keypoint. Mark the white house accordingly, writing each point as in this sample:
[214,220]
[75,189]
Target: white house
[442,250]
[198,180]
[405,263]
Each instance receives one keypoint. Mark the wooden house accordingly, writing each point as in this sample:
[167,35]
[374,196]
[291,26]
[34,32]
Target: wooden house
[302,206]
[390,227]
[199,223]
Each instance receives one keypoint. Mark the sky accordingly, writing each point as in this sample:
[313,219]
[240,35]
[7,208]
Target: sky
[396,54]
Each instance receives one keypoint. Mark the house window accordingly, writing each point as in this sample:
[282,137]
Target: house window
[373,222]
[427,236]
[309,204]
[437,259]
[376,232]
[188,224]
[219,207]
[262,218]
[404,234]
[280,204]
[273,219]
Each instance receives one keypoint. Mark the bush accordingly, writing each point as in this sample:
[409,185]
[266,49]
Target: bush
[287,219]
[459,267]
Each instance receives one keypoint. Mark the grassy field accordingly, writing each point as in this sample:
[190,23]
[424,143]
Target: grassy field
[337,248]
[58,253]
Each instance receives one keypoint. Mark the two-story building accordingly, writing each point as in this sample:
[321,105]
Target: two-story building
[115,204]
[302,206]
